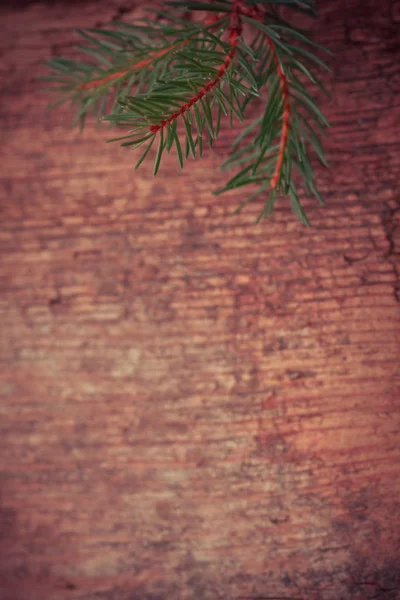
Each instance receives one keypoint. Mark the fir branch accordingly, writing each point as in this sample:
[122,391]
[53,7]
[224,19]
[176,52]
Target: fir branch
[175,80]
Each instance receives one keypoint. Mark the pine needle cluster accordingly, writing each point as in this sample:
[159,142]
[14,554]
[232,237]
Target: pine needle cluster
[173,82]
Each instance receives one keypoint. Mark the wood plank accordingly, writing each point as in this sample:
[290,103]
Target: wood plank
[194,407]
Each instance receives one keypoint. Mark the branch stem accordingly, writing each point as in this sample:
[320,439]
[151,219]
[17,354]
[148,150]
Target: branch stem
[256,13]
[285,117]
[235,29]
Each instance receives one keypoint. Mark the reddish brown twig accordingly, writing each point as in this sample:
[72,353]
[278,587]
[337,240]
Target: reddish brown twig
[256,14]
[235,29]
[88,85]
[285,117]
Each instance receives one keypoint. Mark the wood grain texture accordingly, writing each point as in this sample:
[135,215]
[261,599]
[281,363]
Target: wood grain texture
[192,407]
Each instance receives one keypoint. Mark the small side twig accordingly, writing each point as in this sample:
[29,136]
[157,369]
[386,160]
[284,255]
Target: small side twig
[138,65]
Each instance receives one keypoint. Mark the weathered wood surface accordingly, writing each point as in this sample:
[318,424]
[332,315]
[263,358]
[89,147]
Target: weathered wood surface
[193,407]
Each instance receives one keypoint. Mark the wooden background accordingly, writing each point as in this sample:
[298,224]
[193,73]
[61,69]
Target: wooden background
[193,407]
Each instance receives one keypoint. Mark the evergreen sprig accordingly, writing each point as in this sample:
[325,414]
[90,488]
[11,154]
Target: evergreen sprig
[171,82]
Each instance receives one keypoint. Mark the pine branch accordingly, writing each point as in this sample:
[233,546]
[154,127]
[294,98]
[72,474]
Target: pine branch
[175,80]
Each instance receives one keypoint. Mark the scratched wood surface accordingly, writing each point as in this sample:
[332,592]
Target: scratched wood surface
[192,407]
